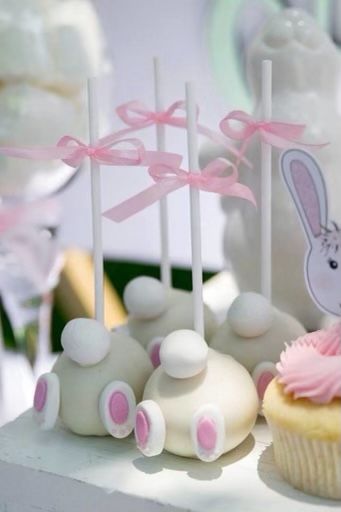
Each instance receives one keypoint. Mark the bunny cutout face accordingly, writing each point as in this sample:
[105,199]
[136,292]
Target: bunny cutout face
[303,177]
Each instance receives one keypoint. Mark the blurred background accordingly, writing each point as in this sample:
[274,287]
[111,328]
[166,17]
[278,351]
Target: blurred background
[47,50]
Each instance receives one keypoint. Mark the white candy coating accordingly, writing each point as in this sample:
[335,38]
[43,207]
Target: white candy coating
[250,315]
[183,354]
[85,341]
[145,297]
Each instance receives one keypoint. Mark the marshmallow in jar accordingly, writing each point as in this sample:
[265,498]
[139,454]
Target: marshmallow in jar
[48,49]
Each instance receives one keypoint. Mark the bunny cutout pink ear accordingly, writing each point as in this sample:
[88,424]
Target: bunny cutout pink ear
[322,265]
[304,179]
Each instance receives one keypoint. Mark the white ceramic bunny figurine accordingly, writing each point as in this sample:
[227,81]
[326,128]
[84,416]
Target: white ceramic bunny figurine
[305,182]
[306,68]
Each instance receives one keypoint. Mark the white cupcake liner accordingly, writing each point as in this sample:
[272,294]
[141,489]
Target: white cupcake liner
[312,466]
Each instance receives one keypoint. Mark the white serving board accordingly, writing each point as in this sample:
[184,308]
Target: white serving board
[60,472]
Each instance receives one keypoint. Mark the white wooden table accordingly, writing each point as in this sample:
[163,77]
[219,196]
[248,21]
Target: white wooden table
[60,472]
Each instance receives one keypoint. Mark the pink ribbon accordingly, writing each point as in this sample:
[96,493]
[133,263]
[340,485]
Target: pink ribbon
[168,179]
[277,134]
[137,116]
[73,152]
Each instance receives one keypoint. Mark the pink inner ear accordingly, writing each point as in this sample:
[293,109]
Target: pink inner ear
[207,434]
[141,428]
[155,355]
[40,395]
[307,194]
[119,408]
[263,382]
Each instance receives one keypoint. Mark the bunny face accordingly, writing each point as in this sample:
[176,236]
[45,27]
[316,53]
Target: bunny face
[291,38]
[323,270]
[305,182]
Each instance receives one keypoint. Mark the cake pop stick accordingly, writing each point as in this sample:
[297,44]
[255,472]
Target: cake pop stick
[193,164]
[266,184]
[161,146]
[96,203]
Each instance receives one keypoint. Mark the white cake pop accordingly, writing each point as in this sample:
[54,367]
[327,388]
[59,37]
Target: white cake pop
[95,383]
[254,333]
[155,312]
[198,403]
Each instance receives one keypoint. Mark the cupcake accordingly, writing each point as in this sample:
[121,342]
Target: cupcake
[303,409]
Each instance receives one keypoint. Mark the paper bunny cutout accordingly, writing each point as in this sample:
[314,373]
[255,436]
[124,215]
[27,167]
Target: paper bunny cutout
[303,177]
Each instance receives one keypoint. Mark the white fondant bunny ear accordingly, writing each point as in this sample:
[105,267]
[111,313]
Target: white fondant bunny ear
[304,179]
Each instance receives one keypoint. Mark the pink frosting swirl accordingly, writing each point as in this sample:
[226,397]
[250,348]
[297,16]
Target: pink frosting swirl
[311,366]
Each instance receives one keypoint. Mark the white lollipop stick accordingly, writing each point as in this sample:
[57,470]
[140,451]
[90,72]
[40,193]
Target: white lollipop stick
[96,203]
[166,276]
[193,164]
[266,185]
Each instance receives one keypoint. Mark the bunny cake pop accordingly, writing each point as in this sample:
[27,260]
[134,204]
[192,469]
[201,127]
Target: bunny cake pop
[156,308]
[95,383]
[198,403]
[155,311]
[254,333]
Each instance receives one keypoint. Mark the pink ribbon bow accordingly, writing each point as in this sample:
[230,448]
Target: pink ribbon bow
[277,134]
[104,153]
[137,116]
[73,152]
[168,179]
